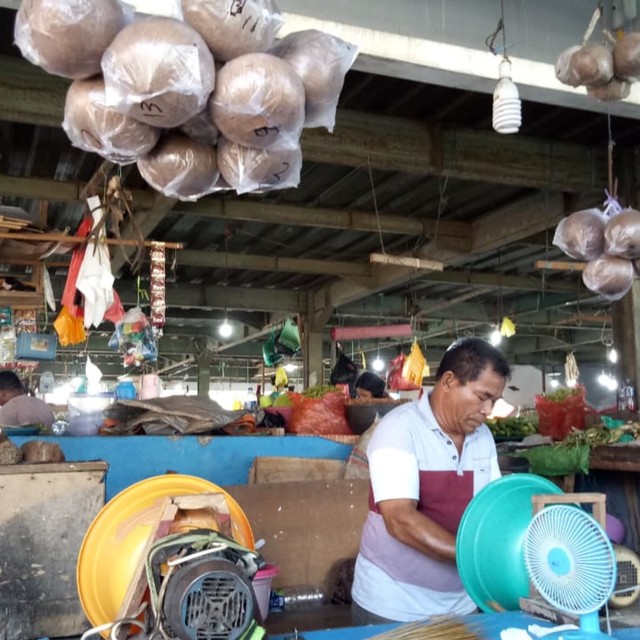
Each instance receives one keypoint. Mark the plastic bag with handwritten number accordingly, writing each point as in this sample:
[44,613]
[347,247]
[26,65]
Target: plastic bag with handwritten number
[414,365]
[319,416]
[395,381]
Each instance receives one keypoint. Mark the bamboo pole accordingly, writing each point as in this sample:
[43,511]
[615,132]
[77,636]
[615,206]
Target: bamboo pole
[63,239]
[406,261]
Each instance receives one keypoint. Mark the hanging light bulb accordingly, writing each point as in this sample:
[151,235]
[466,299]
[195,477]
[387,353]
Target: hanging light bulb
[225,329]
[378,364]
[507,116]
[613,355]
[553,383]
[495,338]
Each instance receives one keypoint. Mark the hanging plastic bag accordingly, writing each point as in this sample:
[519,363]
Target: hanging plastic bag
[287,341]
[344,371]
[281,379]
[269,355]
[413,367]
[395,381]
[70,329]
[134,337]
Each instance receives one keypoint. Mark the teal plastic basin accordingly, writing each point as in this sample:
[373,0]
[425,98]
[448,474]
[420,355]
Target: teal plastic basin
[490,541]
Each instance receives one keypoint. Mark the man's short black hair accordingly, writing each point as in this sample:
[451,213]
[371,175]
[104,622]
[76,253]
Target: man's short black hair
[371,382]
[9,381]
[467,358]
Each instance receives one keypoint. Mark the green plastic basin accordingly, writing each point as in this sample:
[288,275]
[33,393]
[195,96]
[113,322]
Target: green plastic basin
[490,540]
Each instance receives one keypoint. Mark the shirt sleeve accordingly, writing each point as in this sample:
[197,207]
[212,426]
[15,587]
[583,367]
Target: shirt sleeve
[393,465]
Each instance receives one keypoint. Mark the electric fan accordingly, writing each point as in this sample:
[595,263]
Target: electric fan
[628,569]
[571,563]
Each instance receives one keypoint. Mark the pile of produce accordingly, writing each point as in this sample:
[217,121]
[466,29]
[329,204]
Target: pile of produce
[603,434]
[512,427]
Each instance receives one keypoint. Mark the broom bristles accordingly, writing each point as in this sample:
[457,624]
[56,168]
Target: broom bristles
[434,629]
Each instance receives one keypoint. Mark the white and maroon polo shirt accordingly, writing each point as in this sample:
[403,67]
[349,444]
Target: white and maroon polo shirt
[410,457]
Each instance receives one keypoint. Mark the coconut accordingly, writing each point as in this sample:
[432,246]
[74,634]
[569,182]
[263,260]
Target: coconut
[39,451]
[258,101]
[622,235]
[67,38]
[581,235]
[626,57]
[321,60]
[180,167]
[93,126]
[158,71]
[233,28]
[250,169]
[564,69]
[614,90]
[591,64]
[609,276]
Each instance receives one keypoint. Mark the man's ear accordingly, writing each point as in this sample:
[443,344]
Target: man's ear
[448,380]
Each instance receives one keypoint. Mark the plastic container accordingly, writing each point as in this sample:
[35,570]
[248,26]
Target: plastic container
[86,412]
[85,424]
[125,390]
[262,587]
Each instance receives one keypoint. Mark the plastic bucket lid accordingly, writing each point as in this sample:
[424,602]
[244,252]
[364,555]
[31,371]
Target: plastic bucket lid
[490,541]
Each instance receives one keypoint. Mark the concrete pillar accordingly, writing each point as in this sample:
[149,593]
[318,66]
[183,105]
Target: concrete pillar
[626,335]
[203,356]
[312,354]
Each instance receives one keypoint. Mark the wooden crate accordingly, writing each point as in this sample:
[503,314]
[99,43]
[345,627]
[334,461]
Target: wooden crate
[46,510]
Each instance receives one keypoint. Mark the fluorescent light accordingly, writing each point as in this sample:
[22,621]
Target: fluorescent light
[495,338]
[378,364]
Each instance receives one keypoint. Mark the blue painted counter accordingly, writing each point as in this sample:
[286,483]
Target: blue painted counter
[487,625]
[224,460]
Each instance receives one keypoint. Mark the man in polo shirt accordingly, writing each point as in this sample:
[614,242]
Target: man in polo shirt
[427,459]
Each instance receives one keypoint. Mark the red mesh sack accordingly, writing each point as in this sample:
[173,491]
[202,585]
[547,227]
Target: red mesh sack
[557,419]
[319,416]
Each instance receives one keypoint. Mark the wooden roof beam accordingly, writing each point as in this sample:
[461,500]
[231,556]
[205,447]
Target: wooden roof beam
[29,95]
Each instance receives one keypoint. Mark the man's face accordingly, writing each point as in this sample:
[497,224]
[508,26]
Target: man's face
[469,404]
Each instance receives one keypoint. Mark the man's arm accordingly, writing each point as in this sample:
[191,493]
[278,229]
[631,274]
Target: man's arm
[405,523]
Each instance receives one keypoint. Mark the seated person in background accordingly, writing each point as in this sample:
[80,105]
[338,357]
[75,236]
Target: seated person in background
[17,408]
[369,385]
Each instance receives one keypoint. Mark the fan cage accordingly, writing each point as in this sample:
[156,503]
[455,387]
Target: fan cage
[569,559]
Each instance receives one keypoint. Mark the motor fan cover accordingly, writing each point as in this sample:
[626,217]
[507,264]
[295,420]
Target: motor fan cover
[209,599]
[628,566]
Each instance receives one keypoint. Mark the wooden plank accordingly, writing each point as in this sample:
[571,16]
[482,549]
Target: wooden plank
[309,527]
[622,457]
[560,265]
[289,469]
[597,500]
[46,510]
[53,467]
